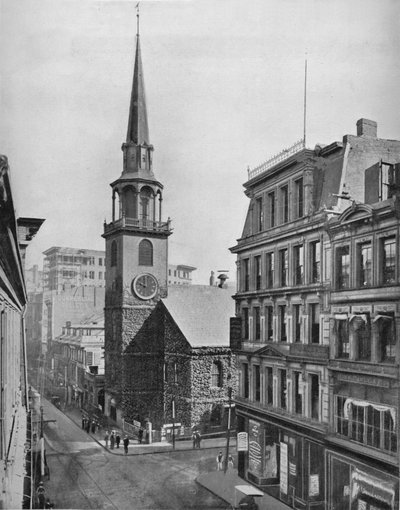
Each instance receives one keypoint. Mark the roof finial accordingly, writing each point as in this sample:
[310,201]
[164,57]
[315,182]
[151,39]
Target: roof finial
[137,19]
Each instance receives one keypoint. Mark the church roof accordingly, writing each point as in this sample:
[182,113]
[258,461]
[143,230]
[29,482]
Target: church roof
[202,313]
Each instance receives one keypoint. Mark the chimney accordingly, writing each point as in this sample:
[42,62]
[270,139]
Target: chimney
[366,127]
[212,279]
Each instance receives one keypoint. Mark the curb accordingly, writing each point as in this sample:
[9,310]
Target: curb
[213,493]
[130,454]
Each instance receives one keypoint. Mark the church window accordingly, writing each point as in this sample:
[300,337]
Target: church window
[114,252]
[145,253]
[216,374]
[144,204]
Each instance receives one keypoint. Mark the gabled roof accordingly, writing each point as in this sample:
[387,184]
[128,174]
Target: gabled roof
[202,313]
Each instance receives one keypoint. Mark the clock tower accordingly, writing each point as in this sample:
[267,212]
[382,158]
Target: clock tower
[136,247]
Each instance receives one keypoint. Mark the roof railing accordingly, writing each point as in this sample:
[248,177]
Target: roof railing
[277,158]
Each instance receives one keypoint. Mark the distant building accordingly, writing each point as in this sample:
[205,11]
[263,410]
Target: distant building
[34,279]
[180,274]
[16,476]
[317,324]
[70,267]
[76,357]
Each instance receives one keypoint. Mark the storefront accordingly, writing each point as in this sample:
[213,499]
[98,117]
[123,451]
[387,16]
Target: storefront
[286,464]
[353,485]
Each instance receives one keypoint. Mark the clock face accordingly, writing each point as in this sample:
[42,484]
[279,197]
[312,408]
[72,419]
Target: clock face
[145,286]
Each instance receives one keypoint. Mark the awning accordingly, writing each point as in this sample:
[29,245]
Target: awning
[383,317]
[362,403]
[361,316]
[377,488]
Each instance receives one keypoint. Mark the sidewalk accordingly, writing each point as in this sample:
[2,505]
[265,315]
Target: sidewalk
[135,448]
[223,486]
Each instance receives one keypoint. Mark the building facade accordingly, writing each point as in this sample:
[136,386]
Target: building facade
[71,267]
[76,358]
[288,314]
[15,423]
[180,274]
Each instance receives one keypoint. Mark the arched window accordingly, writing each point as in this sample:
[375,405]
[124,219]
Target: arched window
[216,375]
[114,252]
[145,253]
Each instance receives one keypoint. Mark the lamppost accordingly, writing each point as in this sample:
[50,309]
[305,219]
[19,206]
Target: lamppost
[228,430]
[173,423]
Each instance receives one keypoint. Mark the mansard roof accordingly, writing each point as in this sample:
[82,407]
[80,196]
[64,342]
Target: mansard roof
[202,313]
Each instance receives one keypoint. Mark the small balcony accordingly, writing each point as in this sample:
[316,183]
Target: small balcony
[138,224]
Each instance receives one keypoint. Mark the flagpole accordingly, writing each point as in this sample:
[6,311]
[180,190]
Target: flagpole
[305,101]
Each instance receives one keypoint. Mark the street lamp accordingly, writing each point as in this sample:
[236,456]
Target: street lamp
[228,431]
[173,423]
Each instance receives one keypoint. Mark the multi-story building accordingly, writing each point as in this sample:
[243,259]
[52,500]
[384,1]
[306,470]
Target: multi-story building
[180,274]
[77,363]
[284,304]
[70,267]
[15,423]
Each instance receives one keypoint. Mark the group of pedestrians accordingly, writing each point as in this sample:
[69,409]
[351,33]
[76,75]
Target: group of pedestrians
[196,438]
[220,460]
[89,425]
[115,439]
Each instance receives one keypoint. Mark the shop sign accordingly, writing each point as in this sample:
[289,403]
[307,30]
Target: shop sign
[284,468]
[292,469]
[255,447]
[242,443]
[314,485]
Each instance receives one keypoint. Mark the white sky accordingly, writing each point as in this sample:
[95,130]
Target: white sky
[224,83]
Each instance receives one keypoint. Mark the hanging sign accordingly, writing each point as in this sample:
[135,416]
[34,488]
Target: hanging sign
[284,468]
[242,443]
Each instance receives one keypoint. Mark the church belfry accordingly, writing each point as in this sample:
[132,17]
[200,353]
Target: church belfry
[136,243]
[136,239]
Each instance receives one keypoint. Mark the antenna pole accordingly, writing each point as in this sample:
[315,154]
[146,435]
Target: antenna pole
[305,101]
[137,19]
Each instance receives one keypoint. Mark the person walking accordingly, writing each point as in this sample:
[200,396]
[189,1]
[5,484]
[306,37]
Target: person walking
[194,438]
[83,423]
[106,437]
[112,440]
[117,439]
[126,443]
[140,435]
[88,426]
[93,427]
[219,461]
[230,461]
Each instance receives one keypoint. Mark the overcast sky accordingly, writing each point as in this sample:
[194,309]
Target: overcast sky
[224,84]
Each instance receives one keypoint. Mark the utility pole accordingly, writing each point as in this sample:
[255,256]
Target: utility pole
[173,423]
[228,431]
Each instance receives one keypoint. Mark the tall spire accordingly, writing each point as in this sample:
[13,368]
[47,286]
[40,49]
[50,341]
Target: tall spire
[138,129]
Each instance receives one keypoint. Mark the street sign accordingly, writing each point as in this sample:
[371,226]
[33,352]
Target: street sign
[170,425]
[242,444]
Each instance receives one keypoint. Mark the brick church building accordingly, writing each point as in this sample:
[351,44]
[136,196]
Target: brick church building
[165,348]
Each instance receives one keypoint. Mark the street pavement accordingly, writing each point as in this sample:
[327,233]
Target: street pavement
[217,483]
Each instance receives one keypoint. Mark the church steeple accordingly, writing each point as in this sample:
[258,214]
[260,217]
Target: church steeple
[137,148]
[138,128]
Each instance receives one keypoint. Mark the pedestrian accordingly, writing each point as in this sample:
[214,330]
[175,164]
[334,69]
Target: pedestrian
[83,422]
[106,437]
[140,435]
[93,427]
[194,438]
[230,461]
[117,439]
[88,426]
[126,443]
[219,461]
[112,440]
[198,438]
